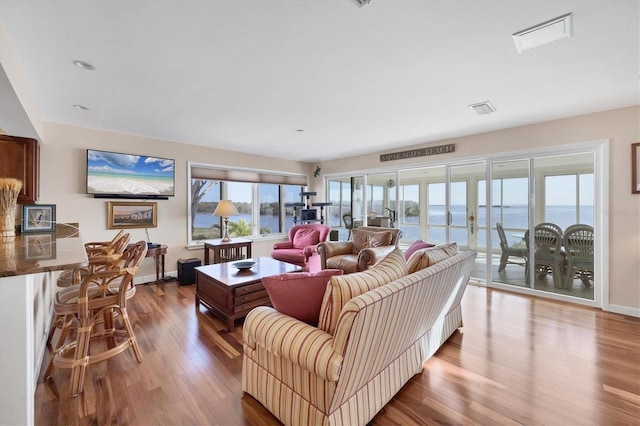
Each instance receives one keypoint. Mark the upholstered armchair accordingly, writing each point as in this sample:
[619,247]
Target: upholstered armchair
[302,243]
[368,246]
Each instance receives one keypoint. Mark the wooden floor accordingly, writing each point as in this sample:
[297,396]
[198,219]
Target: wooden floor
[518,360]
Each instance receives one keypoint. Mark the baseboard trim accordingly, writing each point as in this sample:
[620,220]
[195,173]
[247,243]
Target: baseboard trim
[624,310]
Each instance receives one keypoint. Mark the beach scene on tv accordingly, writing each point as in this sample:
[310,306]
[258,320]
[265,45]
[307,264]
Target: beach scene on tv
[115,173]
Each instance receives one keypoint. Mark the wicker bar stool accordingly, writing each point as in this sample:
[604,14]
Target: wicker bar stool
[95,301]
[99,254]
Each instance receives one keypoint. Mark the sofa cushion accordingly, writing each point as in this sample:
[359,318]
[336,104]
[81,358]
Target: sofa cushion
[299,294]
[426,257]
[417,245]
[305,237]
[363,239]
[343,288]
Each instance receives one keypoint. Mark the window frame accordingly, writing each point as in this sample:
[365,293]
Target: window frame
[272,177]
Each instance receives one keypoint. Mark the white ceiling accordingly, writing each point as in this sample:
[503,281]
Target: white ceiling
[245,75]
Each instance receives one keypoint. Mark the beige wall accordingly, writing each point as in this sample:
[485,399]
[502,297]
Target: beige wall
[62,182]
[621,127]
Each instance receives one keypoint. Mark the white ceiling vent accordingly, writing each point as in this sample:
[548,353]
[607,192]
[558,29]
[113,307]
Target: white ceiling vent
[483,108]
[361,3]
[552,30]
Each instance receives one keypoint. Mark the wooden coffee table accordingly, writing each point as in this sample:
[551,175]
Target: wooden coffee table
[231,293]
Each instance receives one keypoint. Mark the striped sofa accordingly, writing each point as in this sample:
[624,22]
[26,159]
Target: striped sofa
[375,331]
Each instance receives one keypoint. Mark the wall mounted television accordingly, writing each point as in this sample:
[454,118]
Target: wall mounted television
[117,175]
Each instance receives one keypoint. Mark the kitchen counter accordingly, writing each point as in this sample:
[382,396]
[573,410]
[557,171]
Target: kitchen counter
[29,268]
[42,252]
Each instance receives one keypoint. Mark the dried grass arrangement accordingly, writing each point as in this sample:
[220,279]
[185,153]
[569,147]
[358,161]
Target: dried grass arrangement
[9,190]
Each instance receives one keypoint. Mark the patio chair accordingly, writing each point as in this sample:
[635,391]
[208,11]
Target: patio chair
[509,251]
[578,245]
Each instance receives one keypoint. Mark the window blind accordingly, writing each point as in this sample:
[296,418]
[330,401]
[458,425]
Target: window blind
[247,175]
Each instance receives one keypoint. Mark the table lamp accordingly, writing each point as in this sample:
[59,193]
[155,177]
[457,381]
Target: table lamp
[224,210]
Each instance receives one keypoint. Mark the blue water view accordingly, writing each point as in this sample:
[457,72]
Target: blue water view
[513,218]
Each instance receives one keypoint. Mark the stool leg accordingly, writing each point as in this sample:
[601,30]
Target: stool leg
[132,336]
[64,332]
[81,358]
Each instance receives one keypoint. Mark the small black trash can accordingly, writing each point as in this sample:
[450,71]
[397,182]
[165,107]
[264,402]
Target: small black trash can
[187,270]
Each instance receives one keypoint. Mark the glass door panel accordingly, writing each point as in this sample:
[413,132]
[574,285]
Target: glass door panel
[510,221]
[381,200]
[563,237]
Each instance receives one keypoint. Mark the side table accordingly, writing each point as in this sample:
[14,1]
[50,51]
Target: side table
[236,249]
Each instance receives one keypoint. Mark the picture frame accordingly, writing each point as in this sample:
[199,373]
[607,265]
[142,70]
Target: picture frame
[38,218]
[635,168]
[39,246]
[127,215]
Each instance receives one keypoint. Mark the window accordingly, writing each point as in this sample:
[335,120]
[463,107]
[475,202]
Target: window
[259,196]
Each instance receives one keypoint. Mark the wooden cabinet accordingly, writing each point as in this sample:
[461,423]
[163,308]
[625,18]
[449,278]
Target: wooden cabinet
[20,159]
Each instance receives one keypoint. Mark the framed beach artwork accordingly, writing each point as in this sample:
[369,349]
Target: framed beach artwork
[635,168]
[38,218]
[124,215]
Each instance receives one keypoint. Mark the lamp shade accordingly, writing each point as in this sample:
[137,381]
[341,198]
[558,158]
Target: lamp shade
[225,209]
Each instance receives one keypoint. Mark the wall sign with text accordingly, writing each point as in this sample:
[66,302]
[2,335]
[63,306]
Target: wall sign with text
[420,152]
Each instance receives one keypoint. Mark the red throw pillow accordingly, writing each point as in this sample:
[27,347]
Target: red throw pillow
[299,294]
[417,245]
[305,237]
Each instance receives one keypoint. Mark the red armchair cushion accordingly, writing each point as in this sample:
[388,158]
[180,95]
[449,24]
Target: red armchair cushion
[299,294]
[305,237]
[417,245]
[295,256]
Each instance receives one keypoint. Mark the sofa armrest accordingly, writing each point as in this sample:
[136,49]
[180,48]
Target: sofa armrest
[370,256]
[294,340]
[329,249]
[282,245]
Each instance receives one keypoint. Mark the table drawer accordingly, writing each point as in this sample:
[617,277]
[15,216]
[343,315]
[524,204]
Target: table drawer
[246,289]
[245,298]
[246,307]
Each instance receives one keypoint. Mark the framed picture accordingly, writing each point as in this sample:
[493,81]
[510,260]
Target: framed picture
[40,246]
[635,168]
[38,218]
[124,215]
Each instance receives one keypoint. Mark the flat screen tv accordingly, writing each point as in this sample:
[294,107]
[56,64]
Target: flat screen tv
[117,175]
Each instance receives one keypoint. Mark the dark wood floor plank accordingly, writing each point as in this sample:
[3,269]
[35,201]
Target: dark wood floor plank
[517,360]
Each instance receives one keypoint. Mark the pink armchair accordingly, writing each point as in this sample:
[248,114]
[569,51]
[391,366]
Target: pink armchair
[302,243]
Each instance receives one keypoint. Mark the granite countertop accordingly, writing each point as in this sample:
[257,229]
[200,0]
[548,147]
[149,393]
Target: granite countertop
[30,253]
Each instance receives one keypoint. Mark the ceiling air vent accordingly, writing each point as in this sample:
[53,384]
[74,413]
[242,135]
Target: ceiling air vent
[483,108]
[552,30]
[361,3]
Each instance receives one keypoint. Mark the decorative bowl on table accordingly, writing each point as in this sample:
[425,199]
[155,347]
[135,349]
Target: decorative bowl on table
[244,265]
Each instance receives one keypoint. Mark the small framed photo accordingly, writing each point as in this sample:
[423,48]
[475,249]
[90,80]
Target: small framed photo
[635,168]
[38,218]
[125,215]
[40,246]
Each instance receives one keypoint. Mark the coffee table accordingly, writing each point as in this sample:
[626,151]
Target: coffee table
[231,293]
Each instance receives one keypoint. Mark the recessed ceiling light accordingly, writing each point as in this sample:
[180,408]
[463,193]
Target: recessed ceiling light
[84,65]
[546,32]
[483,108]
[81,107]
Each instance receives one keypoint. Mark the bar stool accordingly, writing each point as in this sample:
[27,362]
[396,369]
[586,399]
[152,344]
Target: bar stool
[99,254]
[95,301]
